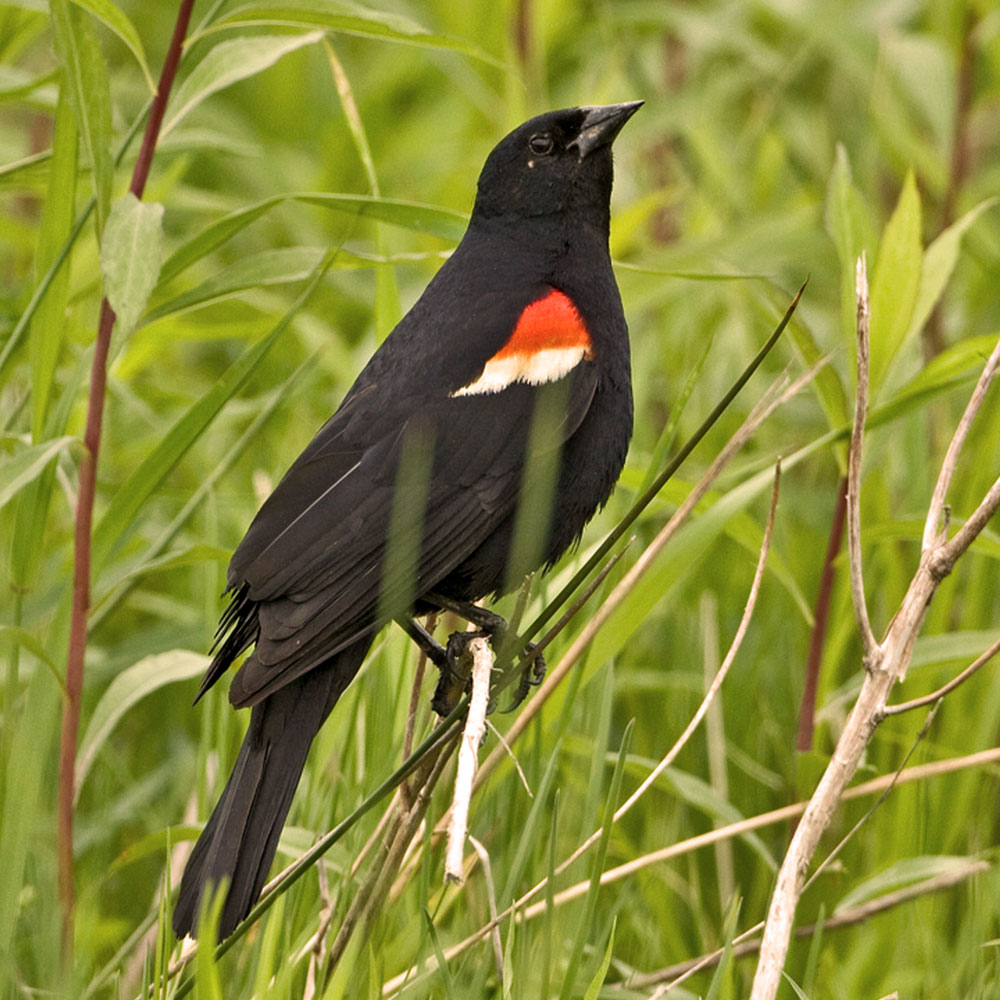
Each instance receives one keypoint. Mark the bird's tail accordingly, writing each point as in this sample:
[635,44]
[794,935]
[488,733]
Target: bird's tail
[240,840]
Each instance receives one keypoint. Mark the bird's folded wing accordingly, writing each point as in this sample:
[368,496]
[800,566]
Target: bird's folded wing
[321,581]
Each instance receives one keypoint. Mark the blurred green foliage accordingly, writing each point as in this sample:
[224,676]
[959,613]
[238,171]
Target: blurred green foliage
[779,140]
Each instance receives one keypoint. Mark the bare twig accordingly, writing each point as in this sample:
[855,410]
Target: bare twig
[932,525]
[868,640]
[468,758]
[85,510]
[885,664]
[929,699]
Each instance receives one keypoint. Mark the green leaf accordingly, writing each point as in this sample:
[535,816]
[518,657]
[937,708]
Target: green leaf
[431,219]
[349,18]
[938,262]
[116,20]
[24,467]
[848,222]
[26,807]
[271,267]
[137,490]
[128,689]
[598,981]
[213,236]
[130,258]
[89,94]
[896,280]
[226,64]
[904,873]
[49,322]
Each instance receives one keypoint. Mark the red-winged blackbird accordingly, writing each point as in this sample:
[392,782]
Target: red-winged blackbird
[473,447]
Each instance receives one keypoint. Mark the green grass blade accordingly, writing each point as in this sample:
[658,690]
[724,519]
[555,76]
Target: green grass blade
[49,322]
[89,94]
[600,856]
[227,63]
[128,688]
[26,466]
[115,19]
[126,503]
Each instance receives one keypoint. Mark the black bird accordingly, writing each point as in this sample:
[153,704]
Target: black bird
[474,446]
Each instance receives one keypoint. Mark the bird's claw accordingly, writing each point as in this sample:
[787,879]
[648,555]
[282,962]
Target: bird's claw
[532,674]
[456,672]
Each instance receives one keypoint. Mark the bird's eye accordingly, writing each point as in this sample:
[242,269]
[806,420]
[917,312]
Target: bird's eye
[541,143]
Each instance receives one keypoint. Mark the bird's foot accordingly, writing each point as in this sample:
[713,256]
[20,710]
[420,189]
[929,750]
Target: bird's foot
[532,674]
[456,673]
[505,642]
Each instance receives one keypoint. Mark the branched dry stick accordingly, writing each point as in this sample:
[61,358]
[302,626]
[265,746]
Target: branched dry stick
[885,662]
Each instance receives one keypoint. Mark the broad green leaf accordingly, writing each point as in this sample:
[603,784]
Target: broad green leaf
[271,267]
[49,322]
[896,280]
[903,873]
[938,262]
[429,219]
[89,94]
[956,365]
[413,215]
[676,562]
[136,491]
[193,555]
[116,20]
[213,236]
[848,222]
[931,650]
[16,471]
[349,18]
[130,258]
[826,383]
[128,689]
[16,84]
[227,63]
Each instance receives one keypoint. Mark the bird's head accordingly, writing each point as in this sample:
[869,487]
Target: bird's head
[558,162]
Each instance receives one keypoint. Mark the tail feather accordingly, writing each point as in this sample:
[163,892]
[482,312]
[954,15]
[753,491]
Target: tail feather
[241,837]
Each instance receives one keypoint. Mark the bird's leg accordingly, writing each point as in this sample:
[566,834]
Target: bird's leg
[451,661]
[427,644]
[502,639]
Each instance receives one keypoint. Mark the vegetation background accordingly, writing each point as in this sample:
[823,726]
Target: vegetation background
[778,140]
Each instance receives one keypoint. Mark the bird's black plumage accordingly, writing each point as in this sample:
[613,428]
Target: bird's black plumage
[437,433]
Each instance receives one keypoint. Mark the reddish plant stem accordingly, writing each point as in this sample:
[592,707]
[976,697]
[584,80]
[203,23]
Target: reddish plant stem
[933,334]
[807,711]
[85,513]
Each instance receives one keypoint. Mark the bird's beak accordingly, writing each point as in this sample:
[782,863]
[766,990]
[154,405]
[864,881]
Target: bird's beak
[602,124]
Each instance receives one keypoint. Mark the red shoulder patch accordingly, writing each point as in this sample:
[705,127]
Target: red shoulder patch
[549,323]
[548,342]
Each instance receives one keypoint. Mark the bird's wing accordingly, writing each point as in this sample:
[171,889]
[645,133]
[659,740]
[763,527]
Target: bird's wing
[325,579]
